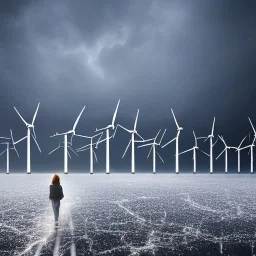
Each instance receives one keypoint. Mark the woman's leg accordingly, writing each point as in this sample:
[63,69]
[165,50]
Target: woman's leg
[54,204]
[57,209]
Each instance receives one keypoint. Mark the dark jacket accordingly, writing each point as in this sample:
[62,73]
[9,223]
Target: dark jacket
[56,192]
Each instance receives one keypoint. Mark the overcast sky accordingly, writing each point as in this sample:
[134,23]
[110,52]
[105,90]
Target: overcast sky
[197,57]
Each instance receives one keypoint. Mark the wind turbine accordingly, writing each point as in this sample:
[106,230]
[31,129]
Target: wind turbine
[252,145]
[194,148]
[90,146]
[154,145]
[131,142]
[238,149]
[226,153]
[112,125]
[29,127]
[177,143]
[67,145]
[211,136]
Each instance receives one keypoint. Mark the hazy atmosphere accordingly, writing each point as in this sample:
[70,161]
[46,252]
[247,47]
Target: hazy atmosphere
[197,57]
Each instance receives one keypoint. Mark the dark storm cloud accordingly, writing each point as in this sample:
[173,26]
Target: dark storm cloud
[195,56]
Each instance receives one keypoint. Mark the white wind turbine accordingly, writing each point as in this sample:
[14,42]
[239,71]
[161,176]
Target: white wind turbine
[29,127]
[177,143]
[90,146]
[194,148]
[226,153]
[112,125]
[252,145]
[8,148]
[67,145]
[154,145]
[131,142]
[238,149]
[211,136]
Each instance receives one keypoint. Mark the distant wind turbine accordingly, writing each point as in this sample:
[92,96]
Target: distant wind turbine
[226,153]
[29,127]
[67,145]
[112,125]
[252,145]
[194,148]
[90,146]
[153,147]
[8,148]
[177,143]
[132,141]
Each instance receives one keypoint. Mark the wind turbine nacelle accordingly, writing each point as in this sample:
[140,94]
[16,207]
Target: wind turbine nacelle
[30,126]
[180,129]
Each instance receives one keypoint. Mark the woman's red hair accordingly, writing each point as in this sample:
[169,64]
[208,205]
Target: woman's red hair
[56,179]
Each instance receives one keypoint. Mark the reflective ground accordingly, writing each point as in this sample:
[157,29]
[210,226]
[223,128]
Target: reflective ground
[123,214]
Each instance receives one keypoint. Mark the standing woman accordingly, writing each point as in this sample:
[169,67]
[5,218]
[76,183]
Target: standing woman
[56,194]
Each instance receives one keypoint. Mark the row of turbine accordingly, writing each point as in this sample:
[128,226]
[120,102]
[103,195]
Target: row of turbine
[96,140]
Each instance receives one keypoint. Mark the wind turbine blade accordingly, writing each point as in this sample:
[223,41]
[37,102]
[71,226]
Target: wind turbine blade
[199,138]
[21,117]
[213,126]
[83,136]
[71,139]
[95,156]
[194,135]
[54,150]
[83,149]
[114,134]
[140,136]
[157,135]
[186,151]
[221,137]
[114,116]
[221,153]
[69,154]
[160,157]
[34,132]
[126,148]
[162,137]
[20,140]
[77,120]
[252,125]
[124,128]
[145,145]
[175,119]
[13,143]
[215,142]
[242,142]
[34,117]
[150,151]
[5,138]
[36,142]
[245,147]
[169,142]
[206,139]
[203,152]
[72,150]
[3,152]
[136,120]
